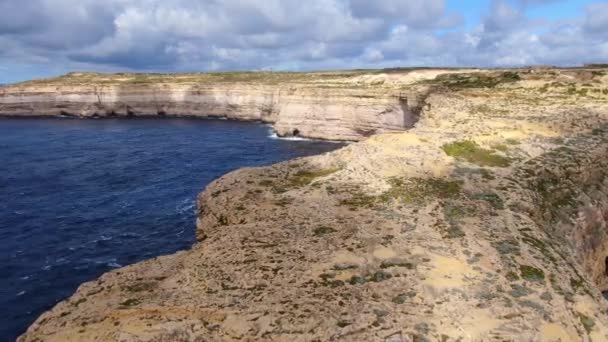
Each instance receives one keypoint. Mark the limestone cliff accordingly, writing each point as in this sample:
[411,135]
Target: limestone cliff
[486,221]
[335,106]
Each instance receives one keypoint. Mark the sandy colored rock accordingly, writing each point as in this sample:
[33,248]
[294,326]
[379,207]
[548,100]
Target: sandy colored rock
[330,105]
[486,221]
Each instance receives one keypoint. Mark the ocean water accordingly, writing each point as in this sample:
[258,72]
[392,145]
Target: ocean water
[81,197]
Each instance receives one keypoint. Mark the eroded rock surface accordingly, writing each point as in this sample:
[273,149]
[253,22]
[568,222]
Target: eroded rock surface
[487,221]
[331,105]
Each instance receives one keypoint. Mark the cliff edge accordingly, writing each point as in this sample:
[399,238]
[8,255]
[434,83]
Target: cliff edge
[485,221]
[348,105]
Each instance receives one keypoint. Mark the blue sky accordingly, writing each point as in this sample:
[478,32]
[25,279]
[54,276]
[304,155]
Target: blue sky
[42,38]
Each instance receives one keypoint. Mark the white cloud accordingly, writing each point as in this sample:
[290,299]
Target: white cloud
[174,35]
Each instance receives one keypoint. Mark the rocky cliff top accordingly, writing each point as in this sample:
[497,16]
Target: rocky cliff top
[485,221]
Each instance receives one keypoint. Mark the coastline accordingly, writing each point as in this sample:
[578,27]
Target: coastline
[465,220]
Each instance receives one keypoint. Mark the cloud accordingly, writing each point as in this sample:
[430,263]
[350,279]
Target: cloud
[180,35]
[596,20]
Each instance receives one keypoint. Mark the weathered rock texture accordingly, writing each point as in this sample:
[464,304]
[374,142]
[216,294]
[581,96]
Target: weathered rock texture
[487,221]
[335,106]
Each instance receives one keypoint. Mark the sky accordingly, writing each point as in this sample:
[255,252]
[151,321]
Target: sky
[44,38]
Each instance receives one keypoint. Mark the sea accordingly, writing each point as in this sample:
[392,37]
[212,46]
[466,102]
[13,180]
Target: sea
[82,197]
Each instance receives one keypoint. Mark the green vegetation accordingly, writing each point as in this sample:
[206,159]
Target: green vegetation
[323,230]
[469,151]
[413,190]
[377,277]
[418,189]
[396,263]
[80,301]
[507,247]
[329,281]
[303,178]
[491,198]
[357,280]
[265,182]
[531,273]
[476,80]
[452,214]
[131,302]
[487,174]
[400,299]
[512,276]
[579,284]
[587,322]
[380,276]
[331,78]
[518,291]
[359,200]
[343,324]
[222,220]
[539,245]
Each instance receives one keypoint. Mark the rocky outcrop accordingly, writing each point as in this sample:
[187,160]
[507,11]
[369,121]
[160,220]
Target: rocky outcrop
[333,107]
[486,221]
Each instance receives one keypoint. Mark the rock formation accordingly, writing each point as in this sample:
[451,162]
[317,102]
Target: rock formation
[486,221]
[335,106]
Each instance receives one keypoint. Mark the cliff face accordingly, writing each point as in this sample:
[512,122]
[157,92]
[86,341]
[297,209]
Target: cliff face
[333,107]
[486,221]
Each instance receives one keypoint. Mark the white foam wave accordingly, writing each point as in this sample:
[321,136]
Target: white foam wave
[273,135]
[187,205]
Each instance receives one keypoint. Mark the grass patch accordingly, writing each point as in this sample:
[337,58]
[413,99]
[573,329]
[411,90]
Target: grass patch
[531,273]
[507,247]
[323,230]
[342,324]
[487,174]
[512,276]
[396,263]
[359,200]
[539,245]
[400,299]
[380,276]
[476,80]
[418,189]
[469,151]
[329,281]
[303,178]
[131,302]
[587,322]
[377,277]
[491,198]
[357,280]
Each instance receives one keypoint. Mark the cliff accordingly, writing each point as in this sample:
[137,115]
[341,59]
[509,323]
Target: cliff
[332,105]
[485,221]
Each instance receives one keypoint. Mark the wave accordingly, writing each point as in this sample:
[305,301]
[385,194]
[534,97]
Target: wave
[273,135]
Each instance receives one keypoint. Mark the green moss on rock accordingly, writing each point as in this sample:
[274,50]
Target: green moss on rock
[531,273]
[471,152]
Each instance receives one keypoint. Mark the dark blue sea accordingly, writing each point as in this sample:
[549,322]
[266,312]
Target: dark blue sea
[81,197]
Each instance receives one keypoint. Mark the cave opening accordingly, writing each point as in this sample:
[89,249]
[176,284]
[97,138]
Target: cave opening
[296,132]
